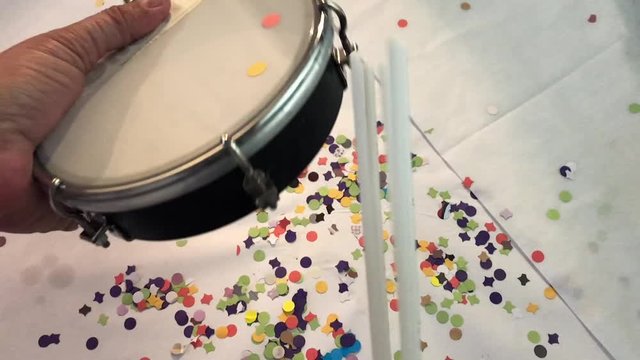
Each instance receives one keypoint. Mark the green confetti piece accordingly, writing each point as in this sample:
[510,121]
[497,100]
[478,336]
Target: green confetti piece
[457,296]
[397,355]
[282,289]
[553,214]
[244,280]
[270,330]
[565,196]
[289,189]
[508,307]
[260,329]
[473,300]
[259,255]
[208,347]
[181,243]
[431,308]
[295,221]
[305,222]
[324,191]
[417,162]
[314,324]
[384,167]
[469,285]
[343,160]
[461,263]
[145,293]
[262,217]
[340,139]
[356,254]
[443,242]
[533,336]
[261,288]
[127,299]
[458,215]
[432,193]
[337,341]
[472,225]
[442,317]
[297,356]
[179,300]
[457,320]
[385,246]
[634,108]
[444,195]
[103,319]
[446,303]
[264,232]
[222,305]
[354,190]
[505,252]
[355,207]
[264,318]
[429,131]
[254,232]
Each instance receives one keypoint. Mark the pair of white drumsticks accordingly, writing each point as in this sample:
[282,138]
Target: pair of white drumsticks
[395,87]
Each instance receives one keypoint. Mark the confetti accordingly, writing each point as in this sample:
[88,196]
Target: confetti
[565,196]
[92,343]
[465,6]
[523,279]
[46,340]
[84,310]
[553,214]
[537,256]
[257,69]
[467,182]
[540,351]
[506,214]
[130,323]
[402,23]
[181,243]
[532,308]
[455,334]
[321,287]
[553,339]
[592,19]
[567,170]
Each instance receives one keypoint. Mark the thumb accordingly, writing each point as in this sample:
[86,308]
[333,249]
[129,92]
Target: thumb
[91,39]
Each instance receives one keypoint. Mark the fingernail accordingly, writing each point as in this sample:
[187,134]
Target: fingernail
[151,4]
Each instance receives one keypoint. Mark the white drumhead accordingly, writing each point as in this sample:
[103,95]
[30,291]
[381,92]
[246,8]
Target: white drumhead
[178,95]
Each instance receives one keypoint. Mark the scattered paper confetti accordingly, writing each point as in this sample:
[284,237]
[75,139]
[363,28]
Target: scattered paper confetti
[402,23]
[257,69]
[271,20]
[565,196]
[465,6]
[592,18]
[553,214]
[506,214]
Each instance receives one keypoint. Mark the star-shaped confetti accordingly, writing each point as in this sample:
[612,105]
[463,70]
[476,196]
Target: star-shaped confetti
[473,299]
[464,236]
[467,182]
[118,279]
[328,175]
[130,269]
[98,297]
[490,248]
[508,307]
[336,325]
[444,195]
[505,252]
[432,193]
[228,292]
[461,263]
[248,243]
[342,287]
[443,242]
[532,308]
[260,287]
[237,289]
[423,345]
[274,263]
[523,279]
[425,300]
[490,227]
[342,266]
[554,339]
[206,299]
[506,214]
[488,281]
[472,225]
[103,319]
[446,303]
[483,256]
[273,294]
[208,347]
[356,254]
[84,310]
[458,215]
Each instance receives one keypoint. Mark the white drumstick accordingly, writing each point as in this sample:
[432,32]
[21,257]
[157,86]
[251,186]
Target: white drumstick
[396,108]
[367,146]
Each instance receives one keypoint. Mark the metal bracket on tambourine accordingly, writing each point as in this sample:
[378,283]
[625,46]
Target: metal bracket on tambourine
[94,226]
[256,183]
[340,55]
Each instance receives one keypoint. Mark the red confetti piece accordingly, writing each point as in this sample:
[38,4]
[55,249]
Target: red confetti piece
[142,305]
[500,238]
[361,241]
[291,322]
[183,292]
[295,276]
[232,330]
[490,227]
[166,286]
[197,343]
[454,282]
[271,20]
[119,279]
[322,161]
[382,158]
[144,358]
[206,299]
[402,23]
[537,256]
[592,18]
[237,250]
[312,236]
[393,304]
[467,182]
[188,301]
[202,330]
[311,354]
[310,316]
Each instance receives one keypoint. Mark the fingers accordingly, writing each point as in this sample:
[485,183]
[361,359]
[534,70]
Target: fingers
[89,40]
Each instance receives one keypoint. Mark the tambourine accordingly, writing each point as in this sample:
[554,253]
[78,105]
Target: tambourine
[206,122]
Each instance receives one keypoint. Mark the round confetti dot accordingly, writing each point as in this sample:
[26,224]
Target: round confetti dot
[188,301]
[280,272]
[138,296]
[199,316]
[130,323]
[550,293]
[537,256]
[291,322]
[465,6]
[397,355]
[288,306]
[391,286]
[92,343]
[355,208]
[540,351]
[431,308]
[321,287]
[250,316]
[127,299]
[442,317]
[177,279]
[295,276]
[492,110]
[634,108]
[553,214]
[232,330]
[312,236]
[262,217]
[457,320]
[305,262]
[455,334]
[271,20]
[44,341]
[282,289]
[402,23]
[222,332]
[499,274]
[122,310]
[500,238]
[264,318]
[244,280]
[565,196]
[311,354]
[258,338]
[533,336]
[259,255]
[393,304]
[257,69]
[495,298]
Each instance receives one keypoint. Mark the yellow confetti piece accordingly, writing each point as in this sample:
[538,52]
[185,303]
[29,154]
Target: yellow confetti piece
[335,193]
[257,69]
[222,332]
[354,167]
[385,235]
[250,316]
[356,219]
[331,318]
[345,201]
[428,272]
[99,3]
[193,289]
[299,209]
[327,329]
[258,338]
[550,293]
[288,306]
[352,177]
[158,305]
[283,317]
[391,286]
[532,308]
[321,287]
[435,282]
[299,189]
[449,264]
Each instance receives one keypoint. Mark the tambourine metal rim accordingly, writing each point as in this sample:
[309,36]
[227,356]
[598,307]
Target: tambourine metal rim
[249,138]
